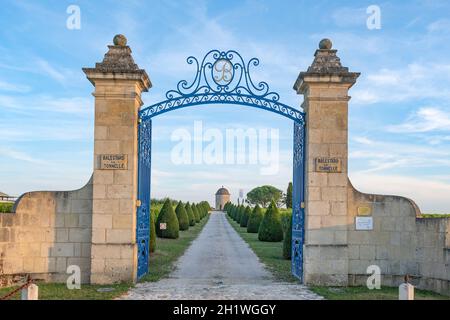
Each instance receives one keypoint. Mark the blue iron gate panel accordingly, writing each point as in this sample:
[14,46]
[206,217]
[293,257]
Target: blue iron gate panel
[143,209]
[298,198]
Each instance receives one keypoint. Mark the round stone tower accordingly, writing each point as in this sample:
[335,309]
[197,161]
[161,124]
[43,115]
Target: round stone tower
[222,197]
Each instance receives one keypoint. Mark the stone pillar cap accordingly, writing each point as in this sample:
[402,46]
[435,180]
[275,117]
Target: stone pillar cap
[326,67]
[118,63]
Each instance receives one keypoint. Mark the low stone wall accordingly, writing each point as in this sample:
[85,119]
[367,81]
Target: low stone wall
[400,243]
[47,232]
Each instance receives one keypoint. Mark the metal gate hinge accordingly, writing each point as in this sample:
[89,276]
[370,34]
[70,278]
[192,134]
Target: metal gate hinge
[139,120]
[302,205]
[138,203]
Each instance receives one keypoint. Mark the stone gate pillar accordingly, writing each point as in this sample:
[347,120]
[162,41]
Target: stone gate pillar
[325,88]
[118,85]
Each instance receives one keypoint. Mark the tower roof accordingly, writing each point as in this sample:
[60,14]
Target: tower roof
[222,191]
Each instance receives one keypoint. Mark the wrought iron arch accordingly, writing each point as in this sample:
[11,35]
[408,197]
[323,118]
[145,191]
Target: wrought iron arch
[223,78]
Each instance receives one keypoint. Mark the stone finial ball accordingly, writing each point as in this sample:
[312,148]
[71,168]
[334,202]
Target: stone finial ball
[325,44]
[120,40]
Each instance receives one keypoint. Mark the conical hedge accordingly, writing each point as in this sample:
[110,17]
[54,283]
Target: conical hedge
[196,214]
[167,216]
[239,213]
[245,216]
[190,214]
[201,211]
[287,241]
[270,228]
[152,244]
[255,220]
[183,219]
[231,211]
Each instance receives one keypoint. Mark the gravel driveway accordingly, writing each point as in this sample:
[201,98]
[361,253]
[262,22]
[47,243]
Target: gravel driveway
[219,265]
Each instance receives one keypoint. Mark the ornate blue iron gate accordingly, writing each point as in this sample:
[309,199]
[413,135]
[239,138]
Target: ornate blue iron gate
[222,78]
[298,198]
[143,209]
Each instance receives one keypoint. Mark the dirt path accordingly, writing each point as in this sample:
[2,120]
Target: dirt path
[219,265]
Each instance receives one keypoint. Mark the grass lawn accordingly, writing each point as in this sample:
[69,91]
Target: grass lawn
[435,215]
[6,207]
[169,250]
[59,291]
[270,253]
[362,293]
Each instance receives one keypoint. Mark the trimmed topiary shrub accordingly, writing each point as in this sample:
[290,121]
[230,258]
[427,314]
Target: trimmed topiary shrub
[239,213]
[245,216]
[183,219]
[190,214]
[201,210]
[231,211]
[196,214]
[255,220]
[287,241]
[152,244]
[167,216]
[270,229]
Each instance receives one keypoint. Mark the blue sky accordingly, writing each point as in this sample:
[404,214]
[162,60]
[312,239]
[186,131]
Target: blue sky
[399,121]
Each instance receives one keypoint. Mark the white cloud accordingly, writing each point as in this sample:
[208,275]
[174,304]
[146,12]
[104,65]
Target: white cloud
[7,86]
[424,120]
[6,152]
[350,17]
[47,69]
[441,25]
[35,103]
[379,156]
[415,81]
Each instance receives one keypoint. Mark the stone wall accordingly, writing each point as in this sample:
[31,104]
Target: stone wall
[400,243]
[47,232]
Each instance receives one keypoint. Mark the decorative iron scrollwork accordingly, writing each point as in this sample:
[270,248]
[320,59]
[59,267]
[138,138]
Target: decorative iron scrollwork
[223,77]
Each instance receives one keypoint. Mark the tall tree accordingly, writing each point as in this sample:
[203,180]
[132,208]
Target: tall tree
[264,195]
[289,196]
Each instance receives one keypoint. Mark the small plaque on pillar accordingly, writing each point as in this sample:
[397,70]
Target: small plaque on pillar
[364,223]
[364,211]
[113,162]
[328,165]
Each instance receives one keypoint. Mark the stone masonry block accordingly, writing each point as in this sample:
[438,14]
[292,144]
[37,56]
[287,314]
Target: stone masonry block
[338,180]
[317,179]
[79,235]
[122,221]
[102,221]
[318,208]
[314,194]
[367,252]
[62,250]
[105,251]
[334,193]
[319,237]
[103,177]
[339,208]
[109,206]
[119,191]
[99,191]
[119,236]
